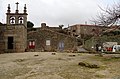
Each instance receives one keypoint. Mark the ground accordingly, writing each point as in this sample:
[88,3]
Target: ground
[52,65]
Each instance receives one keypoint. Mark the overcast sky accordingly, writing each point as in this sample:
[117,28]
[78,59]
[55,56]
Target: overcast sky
[57,12]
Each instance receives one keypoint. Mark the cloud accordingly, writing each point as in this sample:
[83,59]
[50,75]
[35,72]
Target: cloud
[55,12]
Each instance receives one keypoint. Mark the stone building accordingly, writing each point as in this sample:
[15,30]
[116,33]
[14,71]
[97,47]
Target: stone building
[83,29]
[13,34]
[44,26]
[50,40]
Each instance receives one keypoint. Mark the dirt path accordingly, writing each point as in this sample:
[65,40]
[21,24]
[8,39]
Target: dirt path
[45,65]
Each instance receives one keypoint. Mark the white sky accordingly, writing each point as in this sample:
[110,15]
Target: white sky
[57,12]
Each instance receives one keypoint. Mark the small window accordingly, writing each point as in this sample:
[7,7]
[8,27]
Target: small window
[93,30]
[48,42]
[20,20]
[74,30]
[12,20]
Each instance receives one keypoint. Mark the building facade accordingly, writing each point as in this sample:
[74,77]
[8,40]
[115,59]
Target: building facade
[50,40]
[14,33]
[83,29]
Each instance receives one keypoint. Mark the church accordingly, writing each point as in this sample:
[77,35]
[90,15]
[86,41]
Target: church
[13,34]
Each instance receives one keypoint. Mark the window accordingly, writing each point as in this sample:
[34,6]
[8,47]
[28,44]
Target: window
[12,20]
[93,30]
[74,30]
[48,42]
[20,20]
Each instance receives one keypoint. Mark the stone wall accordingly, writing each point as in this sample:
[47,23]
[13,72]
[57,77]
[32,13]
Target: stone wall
[19,34]
[55,39]
[44,26]
[2,43]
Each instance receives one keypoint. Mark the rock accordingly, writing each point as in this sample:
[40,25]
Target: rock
[89,65]
[93,66]
[36,55]
[81,63]
[19,60]
[72,55]
[53,53]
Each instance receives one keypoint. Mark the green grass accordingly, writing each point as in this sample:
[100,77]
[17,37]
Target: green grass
[111,59]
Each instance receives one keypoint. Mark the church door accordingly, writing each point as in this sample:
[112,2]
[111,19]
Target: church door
[10,42]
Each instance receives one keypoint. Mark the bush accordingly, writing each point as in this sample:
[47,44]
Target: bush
[112,33]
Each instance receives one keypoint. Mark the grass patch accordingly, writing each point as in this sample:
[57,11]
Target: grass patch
[112,59]
[102,59]
[96,57]
[80,54]
[16,72]
[100,76]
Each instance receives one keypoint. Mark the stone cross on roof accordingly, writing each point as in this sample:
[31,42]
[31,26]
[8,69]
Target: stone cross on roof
[17,6]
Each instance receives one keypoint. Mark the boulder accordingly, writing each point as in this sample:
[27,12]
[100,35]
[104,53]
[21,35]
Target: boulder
[36,55]
[53,53]
[88,64]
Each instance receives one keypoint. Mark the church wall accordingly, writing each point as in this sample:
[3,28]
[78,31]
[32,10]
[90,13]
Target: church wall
[18,32]
[2,42]
[15,31]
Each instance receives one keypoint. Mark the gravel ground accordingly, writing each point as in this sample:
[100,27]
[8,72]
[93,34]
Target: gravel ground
[52,65]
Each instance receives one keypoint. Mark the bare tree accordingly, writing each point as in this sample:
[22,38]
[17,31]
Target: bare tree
[109,16]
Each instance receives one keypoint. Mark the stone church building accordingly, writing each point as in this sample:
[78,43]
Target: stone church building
[13,34]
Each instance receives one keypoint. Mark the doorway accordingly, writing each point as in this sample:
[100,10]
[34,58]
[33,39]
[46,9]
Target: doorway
[61,46]
[10,42]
